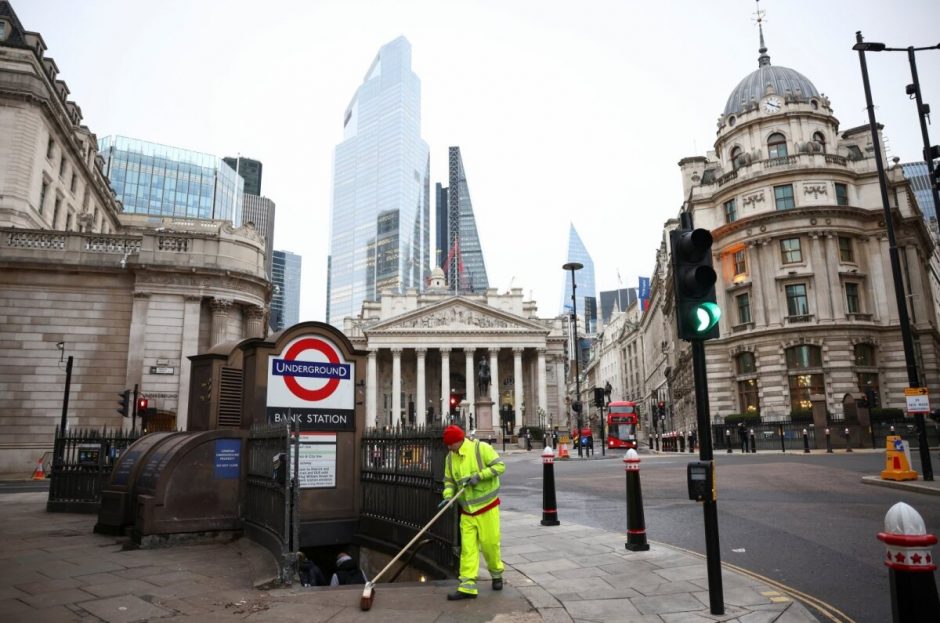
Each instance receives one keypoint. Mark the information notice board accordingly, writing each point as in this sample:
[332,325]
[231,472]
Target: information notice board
[317,465]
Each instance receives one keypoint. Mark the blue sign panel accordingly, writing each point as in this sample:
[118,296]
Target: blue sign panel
[228,454]
[644,290]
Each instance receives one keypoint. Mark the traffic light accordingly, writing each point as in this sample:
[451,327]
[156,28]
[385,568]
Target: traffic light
[598,396]
[124,403]
[576,406]
[142,405]
[454,401]
[697,310]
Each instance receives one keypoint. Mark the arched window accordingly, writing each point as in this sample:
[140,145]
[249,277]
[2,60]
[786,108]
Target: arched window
[777,146]
[866,373]
[804,369]
[820,140]
[746,369]
[735,152]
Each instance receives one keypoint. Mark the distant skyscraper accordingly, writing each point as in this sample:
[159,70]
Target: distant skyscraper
[459,250]
[155,179]
[917,174]
[379,226]
[587,310]
[260,211]
[285,302]
[614,300]
[250,170]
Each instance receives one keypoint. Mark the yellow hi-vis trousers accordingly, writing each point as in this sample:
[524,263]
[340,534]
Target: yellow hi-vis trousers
[479,532]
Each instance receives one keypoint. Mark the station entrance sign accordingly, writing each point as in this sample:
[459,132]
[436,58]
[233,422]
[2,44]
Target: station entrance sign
[310,383]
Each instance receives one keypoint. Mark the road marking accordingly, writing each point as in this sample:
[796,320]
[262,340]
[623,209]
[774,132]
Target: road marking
[830,612]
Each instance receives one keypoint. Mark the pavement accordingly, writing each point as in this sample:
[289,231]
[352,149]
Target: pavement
[54,568]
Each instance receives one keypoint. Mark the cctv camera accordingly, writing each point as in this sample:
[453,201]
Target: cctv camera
[60,345]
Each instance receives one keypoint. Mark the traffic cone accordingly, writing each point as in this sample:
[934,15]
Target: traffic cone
[563,450]
[38,473]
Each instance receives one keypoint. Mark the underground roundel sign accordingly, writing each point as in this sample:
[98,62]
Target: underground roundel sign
[310,383]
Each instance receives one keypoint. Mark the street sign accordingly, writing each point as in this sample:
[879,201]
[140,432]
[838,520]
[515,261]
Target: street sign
[917,399]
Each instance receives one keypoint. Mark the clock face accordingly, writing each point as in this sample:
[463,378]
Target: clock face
[772,104]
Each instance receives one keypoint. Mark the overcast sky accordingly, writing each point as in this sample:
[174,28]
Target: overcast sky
[565,112]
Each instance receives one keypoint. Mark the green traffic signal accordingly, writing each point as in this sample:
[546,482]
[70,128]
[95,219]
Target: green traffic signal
[706,316]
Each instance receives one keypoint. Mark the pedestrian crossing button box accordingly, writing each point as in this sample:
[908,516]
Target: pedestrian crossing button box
[701,477]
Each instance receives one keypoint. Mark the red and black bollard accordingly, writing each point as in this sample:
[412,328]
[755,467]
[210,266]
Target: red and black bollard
[549,506]
[848,442]
[728,440]
[828,443]
[657,442]
[753,443]
[910,566]
[805,441]
[636,524]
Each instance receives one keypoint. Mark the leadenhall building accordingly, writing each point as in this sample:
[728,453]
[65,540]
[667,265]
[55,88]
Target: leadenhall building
[801,252]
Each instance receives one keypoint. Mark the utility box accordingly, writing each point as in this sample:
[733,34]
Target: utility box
[701,477]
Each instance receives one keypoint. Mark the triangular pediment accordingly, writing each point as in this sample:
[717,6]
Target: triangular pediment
[457,315]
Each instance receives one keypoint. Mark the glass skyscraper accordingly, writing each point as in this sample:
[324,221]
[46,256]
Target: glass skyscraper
[586,295]
[379,226]
[458,243]
[285,301]
[167,181]
[917,174]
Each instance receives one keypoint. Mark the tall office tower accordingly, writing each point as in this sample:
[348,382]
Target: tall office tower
[250,170]
[459,252]
[586,295]
[260,211]
[615,300]
[917,174]
[285,301]
[379,226]
[150,178]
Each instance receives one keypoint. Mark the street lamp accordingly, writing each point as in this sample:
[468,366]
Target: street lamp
[912,377]
[576,405]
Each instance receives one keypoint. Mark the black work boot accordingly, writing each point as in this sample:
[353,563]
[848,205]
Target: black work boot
[458,595]
[497,584]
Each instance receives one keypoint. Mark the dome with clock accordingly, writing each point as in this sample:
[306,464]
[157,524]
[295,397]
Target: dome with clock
[765,80]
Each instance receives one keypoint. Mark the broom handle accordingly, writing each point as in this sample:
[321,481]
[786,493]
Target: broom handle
[444,509]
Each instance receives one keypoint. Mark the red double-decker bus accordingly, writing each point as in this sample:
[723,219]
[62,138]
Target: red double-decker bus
[621,425]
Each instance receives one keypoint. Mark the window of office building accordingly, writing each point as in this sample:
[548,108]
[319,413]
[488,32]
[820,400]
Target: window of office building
[797,301]
[804,368]
[783,197]
[740,263]
[777,146]
[846,252]
[744,307]
[731,211]
[745,365]
[791,251]
[842,195]
[852,299]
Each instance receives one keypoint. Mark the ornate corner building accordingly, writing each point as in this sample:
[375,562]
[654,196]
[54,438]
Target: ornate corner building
[129,296]
[801,252]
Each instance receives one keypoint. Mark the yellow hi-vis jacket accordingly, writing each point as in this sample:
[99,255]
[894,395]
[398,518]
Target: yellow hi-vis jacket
[473,457]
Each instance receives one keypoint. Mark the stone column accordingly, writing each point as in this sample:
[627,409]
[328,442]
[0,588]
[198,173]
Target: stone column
[445,383]
[396,387]
[517,383]
[821,285]
[219,331]
[542,383]
[192,307]
[135,347]
[420,391]
[836,287]
[494,377]
[254,323]
[371,387]
[471,384]
[559,362]
[759,284]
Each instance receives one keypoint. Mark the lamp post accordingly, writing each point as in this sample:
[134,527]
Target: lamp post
[576,405]
[912,377]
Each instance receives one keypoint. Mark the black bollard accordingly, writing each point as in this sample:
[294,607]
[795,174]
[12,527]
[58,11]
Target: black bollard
[753,443]
[691,443]
[681,438]
[728,440]
[636,524]
[910,566]
[783,445]
[657,442]
[848,443]
[828,443]
[549,506]
[805,441]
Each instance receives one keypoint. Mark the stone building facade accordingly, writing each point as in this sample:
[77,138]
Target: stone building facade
[423,347]
[129,297]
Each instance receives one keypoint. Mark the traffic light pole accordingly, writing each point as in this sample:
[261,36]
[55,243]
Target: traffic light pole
[712,554]
[134,410]
[65,398]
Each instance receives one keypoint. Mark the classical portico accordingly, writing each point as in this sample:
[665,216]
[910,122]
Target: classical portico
[424,348]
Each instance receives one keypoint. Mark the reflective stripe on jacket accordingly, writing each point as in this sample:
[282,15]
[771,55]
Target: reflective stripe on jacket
[473,456]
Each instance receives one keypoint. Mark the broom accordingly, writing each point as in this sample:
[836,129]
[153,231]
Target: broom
[368,594]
